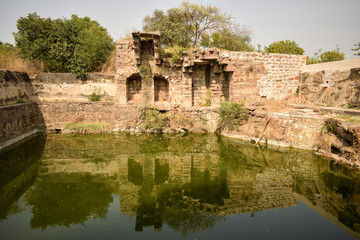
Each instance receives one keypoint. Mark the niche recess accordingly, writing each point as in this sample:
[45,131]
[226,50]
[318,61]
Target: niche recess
[161,89]
[134,89]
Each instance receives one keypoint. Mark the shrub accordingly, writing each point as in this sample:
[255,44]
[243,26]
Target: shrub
[95,96]
[153,119]
[232,114]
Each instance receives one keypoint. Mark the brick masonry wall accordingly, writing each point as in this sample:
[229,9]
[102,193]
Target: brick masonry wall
[57,114]
[19,119]
[280,73]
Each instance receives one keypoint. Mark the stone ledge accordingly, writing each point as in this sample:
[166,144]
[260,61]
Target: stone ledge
[18,138]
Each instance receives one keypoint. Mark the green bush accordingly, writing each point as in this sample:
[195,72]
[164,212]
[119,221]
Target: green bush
[232,114]
[76,45]
[153,119]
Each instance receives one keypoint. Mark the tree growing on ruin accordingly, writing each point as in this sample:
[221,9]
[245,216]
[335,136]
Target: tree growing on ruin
[191,25]
[285,47]
[76,45]
[172,25]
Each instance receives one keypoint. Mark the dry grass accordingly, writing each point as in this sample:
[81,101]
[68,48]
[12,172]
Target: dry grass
[110,64]
[15,63]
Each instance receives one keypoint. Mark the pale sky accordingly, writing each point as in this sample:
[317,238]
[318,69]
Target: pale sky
[313,24]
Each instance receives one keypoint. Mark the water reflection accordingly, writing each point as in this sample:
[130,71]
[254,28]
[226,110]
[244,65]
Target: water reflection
[187,182]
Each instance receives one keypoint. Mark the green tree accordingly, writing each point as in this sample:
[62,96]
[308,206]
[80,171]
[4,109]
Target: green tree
[64,45]
[315,59]
[203,18]
[235,39]
[331,56]
[172,25]
[285,47]
[185,26]
[328,56]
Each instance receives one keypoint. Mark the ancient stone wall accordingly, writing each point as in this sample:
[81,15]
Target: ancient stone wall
[300,129]
[274,76]
[200,77]
[65,87]
[57,114]
[17,120]
[332,84]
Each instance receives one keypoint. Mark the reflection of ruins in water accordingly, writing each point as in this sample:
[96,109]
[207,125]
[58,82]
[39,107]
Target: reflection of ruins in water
[193,179]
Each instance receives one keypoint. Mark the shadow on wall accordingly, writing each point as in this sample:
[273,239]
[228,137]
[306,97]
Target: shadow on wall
[19,117]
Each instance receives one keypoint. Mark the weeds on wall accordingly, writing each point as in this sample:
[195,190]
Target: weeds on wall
[174,53]
[145,69]
[152,119]
[20,100]
[87,128]
[207,100]
[329,126]
[349,118]
[96,95]
[232,114]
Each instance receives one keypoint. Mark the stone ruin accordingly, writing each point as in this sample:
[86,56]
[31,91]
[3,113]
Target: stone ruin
[201,77]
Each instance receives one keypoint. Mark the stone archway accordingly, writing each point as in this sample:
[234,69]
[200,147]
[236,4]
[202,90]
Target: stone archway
[161,89]
[134,89]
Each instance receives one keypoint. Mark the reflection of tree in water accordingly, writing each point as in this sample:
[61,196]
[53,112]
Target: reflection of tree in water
[190,219]
[181,208]
[18,169]
[170,192]
[67,203]
[184,214]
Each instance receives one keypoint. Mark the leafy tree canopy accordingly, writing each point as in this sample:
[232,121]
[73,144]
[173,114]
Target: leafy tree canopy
[193,25]
[331,56]
[285,47]
[235,39]
[73,45]
[328,56]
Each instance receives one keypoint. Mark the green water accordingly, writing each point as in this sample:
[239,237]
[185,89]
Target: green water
[192,186]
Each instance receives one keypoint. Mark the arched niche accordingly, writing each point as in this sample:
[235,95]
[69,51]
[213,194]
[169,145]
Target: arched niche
[161,89]
[134,89]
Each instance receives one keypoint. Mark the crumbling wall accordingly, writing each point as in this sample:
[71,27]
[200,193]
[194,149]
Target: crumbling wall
[335,88]
[205,77]
[268,75]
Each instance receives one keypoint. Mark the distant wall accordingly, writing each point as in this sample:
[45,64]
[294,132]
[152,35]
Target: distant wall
[14,86]
[18,119]
[54,87]
[65,87]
